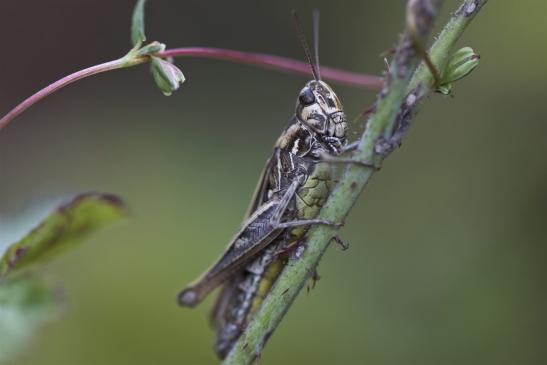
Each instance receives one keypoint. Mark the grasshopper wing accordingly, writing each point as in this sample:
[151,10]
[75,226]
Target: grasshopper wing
[260,195]
[279,173]
[256,233]
[259,230]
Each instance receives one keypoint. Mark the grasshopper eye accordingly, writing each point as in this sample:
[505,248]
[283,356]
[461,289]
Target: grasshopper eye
[306,97]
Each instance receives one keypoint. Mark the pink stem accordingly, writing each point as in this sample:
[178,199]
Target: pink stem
[50,89]
[277,63]
[257,59]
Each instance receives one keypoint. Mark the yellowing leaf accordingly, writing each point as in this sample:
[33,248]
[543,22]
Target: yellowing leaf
[64,227]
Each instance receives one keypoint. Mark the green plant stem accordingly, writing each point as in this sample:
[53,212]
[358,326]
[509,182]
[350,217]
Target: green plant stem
[300,267]
[441,50]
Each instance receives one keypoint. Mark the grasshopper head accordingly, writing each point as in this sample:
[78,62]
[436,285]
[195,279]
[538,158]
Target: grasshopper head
[319,108]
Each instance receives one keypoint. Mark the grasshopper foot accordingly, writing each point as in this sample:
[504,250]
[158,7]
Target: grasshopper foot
[314,279]
[343,245]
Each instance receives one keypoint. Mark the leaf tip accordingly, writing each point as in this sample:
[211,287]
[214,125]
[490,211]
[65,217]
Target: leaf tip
[62,228]
[137,24]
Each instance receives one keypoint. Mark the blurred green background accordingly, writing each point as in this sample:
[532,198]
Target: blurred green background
[446,263]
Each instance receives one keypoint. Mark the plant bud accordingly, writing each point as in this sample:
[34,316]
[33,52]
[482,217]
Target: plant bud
[461,63]
[168,77]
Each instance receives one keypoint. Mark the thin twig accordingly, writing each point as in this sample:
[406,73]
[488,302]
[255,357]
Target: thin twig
[67,80]
[257,59]
[390,106]
[280,64]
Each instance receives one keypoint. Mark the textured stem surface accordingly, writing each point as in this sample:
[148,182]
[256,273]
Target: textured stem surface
[391,102]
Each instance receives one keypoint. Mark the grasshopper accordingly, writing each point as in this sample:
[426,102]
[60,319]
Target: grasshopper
[291,190]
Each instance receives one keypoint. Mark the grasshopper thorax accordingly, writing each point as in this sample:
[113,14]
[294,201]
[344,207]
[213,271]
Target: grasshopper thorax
[319,108]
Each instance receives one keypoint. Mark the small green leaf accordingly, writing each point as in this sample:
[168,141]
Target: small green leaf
[168,77]
[137,24]
[64,227]
[151,49]
[25,304]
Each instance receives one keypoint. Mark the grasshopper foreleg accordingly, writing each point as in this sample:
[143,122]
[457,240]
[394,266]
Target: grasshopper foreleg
[343,245]
[382,147]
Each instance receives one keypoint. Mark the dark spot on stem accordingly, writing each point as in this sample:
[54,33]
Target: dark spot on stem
[267,336]
[19,252]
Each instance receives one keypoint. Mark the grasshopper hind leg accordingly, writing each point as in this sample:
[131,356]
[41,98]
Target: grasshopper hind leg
[307,222]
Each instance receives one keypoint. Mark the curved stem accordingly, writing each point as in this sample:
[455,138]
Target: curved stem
[277,63]
[257,59]
[391,102]
[67,80]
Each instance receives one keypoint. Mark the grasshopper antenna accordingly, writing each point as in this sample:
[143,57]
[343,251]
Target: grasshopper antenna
[304,44]
[316,41]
